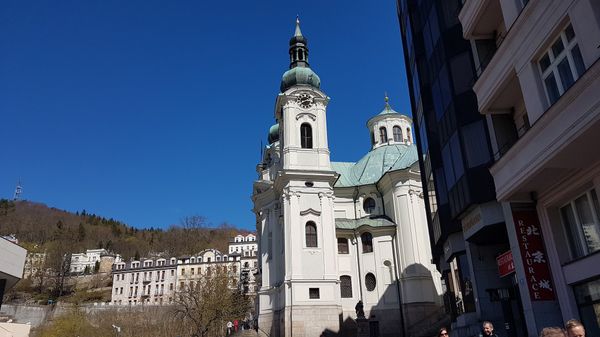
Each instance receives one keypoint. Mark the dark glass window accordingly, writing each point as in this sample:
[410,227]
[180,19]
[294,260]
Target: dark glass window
[382,135]
[311,234]
[370,282]
[397,134]
[367,242]
[369,205]
[306,136]
[346,286]
[313,293]
[343,246]
[476,146]
[408,134]
[587,296]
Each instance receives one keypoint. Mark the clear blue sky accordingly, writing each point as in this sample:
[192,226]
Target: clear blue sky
[148,111]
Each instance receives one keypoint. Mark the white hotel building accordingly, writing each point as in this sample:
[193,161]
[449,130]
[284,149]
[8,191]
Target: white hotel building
[156,281]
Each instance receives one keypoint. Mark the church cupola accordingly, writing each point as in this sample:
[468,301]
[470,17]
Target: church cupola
[299,72]
[390,127]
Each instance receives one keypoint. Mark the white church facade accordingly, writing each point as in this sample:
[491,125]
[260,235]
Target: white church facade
[332,234]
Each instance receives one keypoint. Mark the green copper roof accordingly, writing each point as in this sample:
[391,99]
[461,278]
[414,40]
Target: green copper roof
[273,133]
[299,76]
[387,110]
[375,164]
[356,223]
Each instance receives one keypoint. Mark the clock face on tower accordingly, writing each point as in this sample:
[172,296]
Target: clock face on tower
[305,101]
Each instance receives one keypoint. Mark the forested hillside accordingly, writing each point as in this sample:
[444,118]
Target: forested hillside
[38,226]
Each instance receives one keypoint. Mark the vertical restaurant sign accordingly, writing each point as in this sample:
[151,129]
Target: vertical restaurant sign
[533,254]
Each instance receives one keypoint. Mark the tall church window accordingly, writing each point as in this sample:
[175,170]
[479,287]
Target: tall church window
[397,134]
[346,286]
[369,205]
[343,246]
[306,136]
[367,242]
[382,135]
[408,134]
[311,234]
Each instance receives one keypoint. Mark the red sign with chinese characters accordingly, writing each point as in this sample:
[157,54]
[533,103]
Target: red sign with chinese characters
[506,265]
[535,262]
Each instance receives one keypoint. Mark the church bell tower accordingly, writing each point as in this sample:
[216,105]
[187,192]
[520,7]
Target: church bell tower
[304,186]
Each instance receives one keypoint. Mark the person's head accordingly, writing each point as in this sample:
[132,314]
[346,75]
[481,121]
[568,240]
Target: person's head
[443,332]
[553,332]
[488,328]
[574,328]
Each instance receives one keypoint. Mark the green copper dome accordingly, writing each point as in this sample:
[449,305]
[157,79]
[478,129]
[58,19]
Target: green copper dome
[299,76]
[274,133]
[375,164]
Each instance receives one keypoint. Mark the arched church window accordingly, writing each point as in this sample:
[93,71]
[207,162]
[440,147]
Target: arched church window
[372,138]
[397,134]
[306,136]
[370,282]
[367,242]
[369,205]
[408,134]
[382,135]
[346,286]
[311,234]
[300,55]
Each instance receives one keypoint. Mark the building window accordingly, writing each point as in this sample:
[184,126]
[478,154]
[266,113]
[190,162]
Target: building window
[397,134]
[561,65]
[311,234]
[408,135]
[306,136]
[346,286]
[369,205]
[587,296]
[313,293]
[342,246]
[382,135]
[367,242]
[580,216]
[370,281]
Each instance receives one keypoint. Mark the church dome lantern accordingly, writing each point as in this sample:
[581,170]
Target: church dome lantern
[299,72]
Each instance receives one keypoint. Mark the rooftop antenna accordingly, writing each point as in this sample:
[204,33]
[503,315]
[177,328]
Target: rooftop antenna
[18,191]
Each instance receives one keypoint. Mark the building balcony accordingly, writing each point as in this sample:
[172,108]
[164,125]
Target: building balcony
[561,143]
[481,19]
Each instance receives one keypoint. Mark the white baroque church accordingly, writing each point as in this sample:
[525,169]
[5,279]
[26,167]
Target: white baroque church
[332,234]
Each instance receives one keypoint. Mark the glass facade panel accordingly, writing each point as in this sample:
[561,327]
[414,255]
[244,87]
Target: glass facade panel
[460,66]
[476,149]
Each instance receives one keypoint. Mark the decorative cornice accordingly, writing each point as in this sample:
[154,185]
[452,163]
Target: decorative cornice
[308,114]
[310,211]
